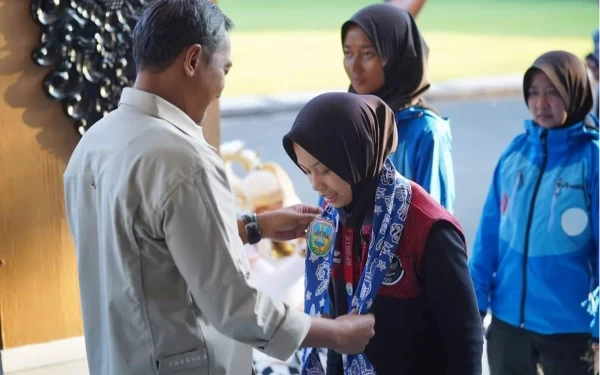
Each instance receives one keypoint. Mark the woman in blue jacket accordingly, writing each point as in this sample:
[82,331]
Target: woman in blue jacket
[535,257]
[385,55]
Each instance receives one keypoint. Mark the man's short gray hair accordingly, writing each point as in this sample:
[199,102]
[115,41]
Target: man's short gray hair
[166,27]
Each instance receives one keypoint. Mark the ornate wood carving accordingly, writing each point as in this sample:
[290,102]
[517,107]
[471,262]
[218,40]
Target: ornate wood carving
[87,45]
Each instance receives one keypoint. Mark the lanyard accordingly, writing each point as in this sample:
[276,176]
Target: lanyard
[349,263]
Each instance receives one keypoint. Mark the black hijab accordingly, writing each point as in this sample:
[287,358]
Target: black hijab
[569,76]
[402,50]
[352,135]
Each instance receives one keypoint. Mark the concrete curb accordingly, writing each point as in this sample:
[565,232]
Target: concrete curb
[452,89]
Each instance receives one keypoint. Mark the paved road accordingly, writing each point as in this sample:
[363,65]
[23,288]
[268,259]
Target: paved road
[481,130]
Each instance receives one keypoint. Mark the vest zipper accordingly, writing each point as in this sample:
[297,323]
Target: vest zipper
[528,227]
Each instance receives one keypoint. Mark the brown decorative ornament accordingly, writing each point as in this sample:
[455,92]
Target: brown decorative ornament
[87,44]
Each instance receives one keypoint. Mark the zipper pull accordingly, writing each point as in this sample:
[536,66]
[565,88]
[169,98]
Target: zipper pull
[558,186]
[520,179]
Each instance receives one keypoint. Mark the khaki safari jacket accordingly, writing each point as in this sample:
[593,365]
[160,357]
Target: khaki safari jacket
[165,283]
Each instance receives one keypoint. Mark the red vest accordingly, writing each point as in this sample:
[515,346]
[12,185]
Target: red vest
[423,213]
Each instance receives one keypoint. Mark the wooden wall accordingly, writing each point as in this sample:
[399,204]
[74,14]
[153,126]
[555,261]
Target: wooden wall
[39,297]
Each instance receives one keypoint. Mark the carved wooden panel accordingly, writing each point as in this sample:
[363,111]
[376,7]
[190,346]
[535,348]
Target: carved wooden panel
[87,45]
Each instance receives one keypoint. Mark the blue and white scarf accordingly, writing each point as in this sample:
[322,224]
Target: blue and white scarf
[392,199]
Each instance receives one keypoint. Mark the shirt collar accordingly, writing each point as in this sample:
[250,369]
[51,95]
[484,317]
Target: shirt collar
[155,106]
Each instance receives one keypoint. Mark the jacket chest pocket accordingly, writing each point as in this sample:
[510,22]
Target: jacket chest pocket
[514,195]
[569,208]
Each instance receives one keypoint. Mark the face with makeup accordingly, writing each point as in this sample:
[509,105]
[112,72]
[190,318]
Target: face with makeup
[323,180]
[545,103]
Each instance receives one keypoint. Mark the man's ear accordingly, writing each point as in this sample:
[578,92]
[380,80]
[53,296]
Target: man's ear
[193,59]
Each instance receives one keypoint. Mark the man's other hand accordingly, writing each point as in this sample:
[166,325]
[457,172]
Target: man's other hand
[287,223]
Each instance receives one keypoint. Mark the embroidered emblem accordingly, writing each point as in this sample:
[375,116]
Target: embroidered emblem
[394,272]
[320,237]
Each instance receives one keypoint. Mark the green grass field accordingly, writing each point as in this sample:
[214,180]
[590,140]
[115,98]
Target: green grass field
[290,45]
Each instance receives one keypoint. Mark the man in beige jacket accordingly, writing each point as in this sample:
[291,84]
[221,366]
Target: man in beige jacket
[165,284]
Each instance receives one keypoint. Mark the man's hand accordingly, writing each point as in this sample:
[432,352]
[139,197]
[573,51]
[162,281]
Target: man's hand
[355,332]
[348,334]
[287,223]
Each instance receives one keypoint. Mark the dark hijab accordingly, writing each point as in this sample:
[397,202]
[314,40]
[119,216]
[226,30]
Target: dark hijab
[569,76]
[352,135]
[403,52]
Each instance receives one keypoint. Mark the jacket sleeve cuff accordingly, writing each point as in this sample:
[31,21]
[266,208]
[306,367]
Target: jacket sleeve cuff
[289,335]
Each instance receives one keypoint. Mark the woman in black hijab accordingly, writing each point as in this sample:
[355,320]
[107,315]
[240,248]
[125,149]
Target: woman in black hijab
[422,297]
[385,55]
[535,256]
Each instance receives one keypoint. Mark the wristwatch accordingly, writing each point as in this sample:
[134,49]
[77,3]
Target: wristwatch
[252,228]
